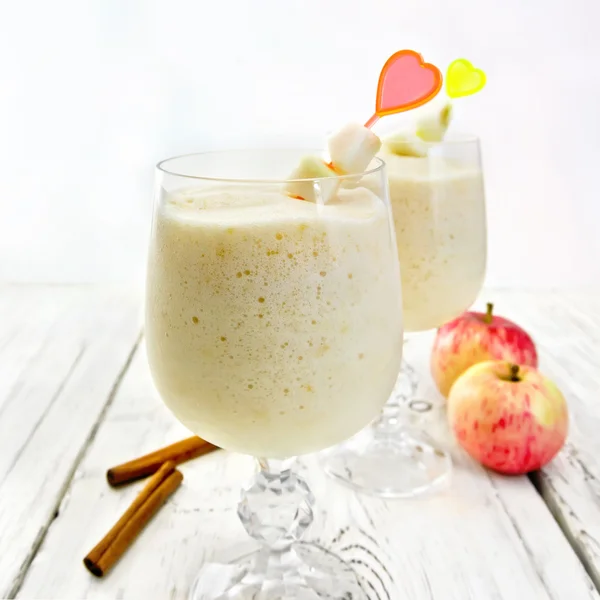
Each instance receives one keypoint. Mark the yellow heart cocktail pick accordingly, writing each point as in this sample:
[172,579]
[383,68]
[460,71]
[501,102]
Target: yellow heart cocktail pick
[463,79]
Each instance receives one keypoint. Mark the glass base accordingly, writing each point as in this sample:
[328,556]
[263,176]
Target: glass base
[389,464]
[306,572]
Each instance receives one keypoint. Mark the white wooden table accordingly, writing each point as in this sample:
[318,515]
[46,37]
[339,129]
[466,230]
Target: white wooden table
[76,397]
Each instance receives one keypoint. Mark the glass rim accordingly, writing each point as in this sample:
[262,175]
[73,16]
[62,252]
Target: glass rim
[452,139]
[455,139]
[162,166]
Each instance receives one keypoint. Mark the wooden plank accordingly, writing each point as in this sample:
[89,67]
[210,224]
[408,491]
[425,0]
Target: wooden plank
[486,537]
[27,315]
[566,328]
[62,357]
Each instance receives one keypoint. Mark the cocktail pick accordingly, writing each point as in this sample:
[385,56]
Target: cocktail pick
[406,82]
[463,79]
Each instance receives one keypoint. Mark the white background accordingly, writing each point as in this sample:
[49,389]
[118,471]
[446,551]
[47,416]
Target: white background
[94,92]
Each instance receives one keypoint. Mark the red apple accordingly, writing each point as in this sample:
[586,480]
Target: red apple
[508,417]
[474,337]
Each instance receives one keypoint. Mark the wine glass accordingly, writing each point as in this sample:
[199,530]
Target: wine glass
[274,329]
[439,215]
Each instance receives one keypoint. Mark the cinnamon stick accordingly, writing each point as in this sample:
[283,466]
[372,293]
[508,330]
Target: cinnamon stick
[108,551]
[150,463]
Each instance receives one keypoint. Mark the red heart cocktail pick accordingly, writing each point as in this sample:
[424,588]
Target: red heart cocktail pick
[406,82]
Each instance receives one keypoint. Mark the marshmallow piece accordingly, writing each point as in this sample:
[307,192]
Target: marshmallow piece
[309,169]
[405,144]
[433,127]
[352,148]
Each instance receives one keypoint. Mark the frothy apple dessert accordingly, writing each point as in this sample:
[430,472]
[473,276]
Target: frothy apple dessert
[273,324]
[437,197]
[439,216]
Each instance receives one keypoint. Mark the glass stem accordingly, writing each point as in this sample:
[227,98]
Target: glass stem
[405,390]
[275,507]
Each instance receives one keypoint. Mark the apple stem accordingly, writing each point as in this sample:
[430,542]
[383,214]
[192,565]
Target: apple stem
[514,373]
[488,314]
